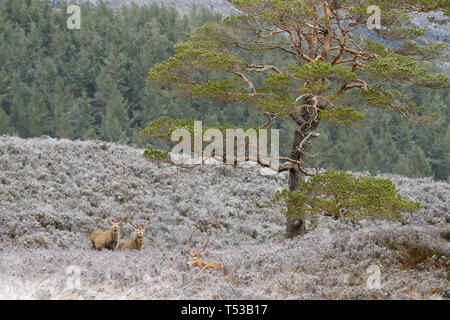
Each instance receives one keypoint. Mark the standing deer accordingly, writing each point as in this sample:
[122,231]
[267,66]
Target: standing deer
[138,241]
[197,261]
[108,239]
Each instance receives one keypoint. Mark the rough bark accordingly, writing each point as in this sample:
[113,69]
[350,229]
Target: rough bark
[295,225]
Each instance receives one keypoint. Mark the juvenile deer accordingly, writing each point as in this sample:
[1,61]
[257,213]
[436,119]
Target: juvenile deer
[138,241]
[196,261]
[108,239]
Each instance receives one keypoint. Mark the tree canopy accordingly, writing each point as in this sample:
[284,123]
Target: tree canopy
[328,66]
[326,58]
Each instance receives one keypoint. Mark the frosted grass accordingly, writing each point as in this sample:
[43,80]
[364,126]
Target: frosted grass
[51,192]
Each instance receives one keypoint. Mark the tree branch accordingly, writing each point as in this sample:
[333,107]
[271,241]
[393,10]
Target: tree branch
[246,80]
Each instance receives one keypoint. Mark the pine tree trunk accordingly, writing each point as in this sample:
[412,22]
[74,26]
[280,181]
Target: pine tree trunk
[295,226]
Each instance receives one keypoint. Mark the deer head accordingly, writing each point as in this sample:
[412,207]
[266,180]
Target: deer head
[108,239]
[195,259]
[140,231]
[114,223]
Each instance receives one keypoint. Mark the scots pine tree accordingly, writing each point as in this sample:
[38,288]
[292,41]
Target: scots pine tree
[327,64]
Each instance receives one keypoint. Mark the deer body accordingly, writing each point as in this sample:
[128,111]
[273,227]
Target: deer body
[106,239]
[134,244]
[138,241]
[101,239]
[196,261]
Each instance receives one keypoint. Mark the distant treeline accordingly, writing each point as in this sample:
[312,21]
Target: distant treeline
[91,84]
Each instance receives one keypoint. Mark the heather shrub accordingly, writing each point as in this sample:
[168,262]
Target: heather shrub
[51,201]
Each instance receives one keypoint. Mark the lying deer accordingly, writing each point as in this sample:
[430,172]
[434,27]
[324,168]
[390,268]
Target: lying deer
[196,261]
[138,241]
[108,239]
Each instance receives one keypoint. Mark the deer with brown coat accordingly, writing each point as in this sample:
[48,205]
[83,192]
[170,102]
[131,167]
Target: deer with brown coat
[109,239]
[138,241]
[195,259]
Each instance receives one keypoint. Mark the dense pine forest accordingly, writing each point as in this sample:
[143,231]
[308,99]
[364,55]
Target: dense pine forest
[91,84]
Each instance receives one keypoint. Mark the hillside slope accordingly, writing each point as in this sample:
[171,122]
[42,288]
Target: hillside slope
[182,6]
[435,32]
[51,192]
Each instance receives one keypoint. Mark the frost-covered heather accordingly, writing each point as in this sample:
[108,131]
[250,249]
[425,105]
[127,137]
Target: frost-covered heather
[51,192]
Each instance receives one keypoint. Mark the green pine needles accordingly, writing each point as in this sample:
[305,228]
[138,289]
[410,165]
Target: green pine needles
[339,194]
[154,155]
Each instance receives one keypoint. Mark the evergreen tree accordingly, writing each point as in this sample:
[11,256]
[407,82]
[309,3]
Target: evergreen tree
[63,128]
[404,139]
[401,167]
[115,124]
[44,81]
[59,45]
[37,107]
[387,153]
[436,154]
[104,85]
[18,119]
[356,154]
[370,164]
[84,74]
[82,118]
[5,126]
[5,90]
[324,77]
[115,70]
[418,163]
